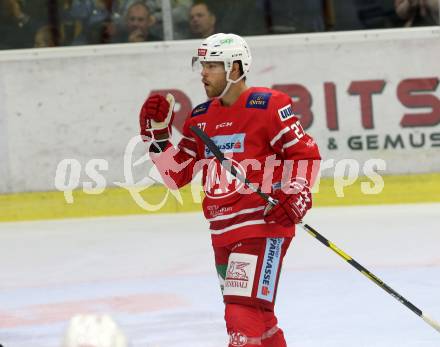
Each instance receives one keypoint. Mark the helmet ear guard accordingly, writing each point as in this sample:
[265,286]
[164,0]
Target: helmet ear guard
[228,72]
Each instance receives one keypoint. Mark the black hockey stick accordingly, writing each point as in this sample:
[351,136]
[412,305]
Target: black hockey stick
[227,164]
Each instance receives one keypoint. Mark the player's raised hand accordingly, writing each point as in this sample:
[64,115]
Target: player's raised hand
[156,117]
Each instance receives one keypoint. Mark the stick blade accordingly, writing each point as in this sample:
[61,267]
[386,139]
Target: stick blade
[431,322]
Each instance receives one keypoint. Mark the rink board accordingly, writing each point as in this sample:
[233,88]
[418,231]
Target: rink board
[157,199]
[362,95]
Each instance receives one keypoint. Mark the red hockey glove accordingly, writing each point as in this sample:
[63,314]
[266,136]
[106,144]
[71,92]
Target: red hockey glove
[291,208]
[156,118]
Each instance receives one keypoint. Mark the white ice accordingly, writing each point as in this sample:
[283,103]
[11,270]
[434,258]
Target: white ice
[155,276]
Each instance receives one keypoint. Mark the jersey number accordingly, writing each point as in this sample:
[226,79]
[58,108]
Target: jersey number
[297,129]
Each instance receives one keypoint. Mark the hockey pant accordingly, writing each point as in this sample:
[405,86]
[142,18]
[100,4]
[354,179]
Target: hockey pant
[249,272]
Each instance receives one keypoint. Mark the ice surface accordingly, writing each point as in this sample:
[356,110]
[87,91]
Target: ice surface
[155,276]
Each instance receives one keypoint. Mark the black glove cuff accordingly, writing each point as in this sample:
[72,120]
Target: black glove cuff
[158,147]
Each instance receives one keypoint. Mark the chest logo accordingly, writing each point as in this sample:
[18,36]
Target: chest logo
[219,182]
[227,144]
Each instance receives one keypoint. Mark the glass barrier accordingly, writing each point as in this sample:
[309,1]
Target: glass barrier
[50,23]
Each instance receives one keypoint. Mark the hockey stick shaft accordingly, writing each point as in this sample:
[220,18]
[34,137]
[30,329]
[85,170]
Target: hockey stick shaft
[371,276]
[227,164]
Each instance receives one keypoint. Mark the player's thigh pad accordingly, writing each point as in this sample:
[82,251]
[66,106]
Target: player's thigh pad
[253,271]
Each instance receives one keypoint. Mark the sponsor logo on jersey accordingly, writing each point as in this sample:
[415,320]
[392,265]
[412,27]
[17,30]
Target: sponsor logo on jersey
[219,182]
[258,100]
[224,125]
[215,210]
[227,144]
[201,109]
[269,271]
[237,273]
[240,274]
[285,112]
[201,52]
[276,186]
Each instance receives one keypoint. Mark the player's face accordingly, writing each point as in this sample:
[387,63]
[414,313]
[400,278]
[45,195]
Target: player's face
[213,78]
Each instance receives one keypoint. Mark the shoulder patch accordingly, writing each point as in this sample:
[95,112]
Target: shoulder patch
[285,112]
[258,100]
[200,109]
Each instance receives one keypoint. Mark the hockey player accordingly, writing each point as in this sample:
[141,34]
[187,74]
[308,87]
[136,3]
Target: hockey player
[258,131]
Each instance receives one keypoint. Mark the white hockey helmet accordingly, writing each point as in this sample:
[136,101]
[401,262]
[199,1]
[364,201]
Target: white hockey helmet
[225,48]
[93,330]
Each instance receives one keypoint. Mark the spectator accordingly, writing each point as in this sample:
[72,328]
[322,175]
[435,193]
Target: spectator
[65,29]
[138,21]
[417,12]
[100,18]
[95,11]
[179,13]
[45,37]
[155,9]
[17,28]
[202,21]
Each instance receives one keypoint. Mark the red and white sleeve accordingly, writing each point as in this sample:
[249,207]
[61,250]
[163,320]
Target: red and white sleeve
[289,140]
[177,166]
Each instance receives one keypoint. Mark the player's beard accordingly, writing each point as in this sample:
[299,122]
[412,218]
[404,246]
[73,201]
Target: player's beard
[214,90]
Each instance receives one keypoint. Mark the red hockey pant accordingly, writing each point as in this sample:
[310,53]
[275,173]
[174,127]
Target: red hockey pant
[249,272]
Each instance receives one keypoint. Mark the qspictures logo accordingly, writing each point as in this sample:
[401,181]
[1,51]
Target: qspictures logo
[72,174]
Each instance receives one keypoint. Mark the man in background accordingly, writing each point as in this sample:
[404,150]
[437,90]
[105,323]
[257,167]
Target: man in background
[202,21]
[138,21]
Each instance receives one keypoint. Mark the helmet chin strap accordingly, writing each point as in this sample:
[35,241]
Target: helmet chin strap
[229,84]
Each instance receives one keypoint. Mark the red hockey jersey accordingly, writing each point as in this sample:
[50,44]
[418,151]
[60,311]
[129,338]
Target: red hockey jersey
[266,144]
